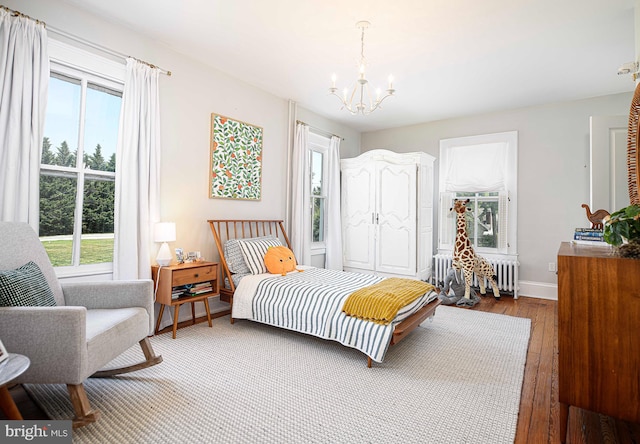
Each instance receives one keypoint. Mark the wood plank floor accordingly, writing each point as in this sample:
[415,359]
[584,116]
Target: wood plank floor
[538,420]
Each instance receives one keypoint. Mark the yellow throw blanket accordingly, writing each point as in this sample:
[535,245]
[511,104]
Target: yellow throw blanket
[380,302]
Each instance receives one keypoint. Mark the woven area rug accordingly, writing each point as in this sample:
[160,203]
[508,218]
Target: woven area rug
[456,379]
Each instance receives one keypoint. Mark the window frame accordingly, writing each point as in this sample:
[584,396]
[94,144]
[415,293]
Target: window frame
[88,68]
[320,144]
[507,198]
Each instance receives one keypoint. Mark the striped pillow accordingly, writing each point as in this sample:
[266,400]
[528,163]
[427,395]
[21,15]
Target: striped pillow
[233,256]
[25,286]
[253,251]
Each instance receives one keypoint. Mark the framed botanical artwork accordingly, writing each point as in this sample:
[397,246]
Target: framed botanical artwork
[235,159]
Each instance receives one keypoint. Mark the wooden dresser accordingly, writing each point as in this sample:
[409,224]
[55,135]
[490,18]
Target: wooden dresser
[598,333]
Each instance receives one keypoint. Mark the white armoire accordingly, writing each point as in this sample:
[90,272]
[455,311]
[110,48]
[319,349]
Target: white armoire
[387,213]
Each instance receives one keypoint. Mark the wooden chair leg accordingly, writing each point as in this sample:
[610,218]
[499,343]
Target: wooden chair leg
[150,359]
[84,413]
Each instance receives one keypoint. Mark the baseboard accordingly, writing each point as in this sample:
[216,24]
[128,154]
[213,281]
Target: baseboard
[540,290]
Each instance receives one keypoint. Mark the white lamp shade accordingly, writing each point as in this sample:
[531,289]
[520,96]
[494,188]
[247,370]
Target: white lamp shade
[164,232]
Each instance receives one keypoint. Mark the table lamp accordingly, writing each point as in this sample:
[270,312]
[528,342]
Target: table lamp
[164,232]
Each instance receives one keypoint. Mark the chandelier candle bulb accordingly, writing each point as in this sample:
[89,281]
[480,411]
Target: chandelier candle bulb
[333,81]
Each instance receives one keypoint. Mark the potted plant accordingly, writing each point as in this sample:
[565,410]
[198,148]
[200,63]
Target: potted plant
[622,230]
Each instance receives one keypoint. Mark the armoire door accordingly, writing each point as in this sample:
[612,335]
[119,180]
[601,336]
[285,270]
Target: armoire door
[358,216]
[396,218]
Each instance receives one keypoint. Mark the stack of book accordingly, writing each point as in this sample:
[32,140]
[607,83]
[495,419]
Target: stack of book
[589,236]
[180,290]
[202,287]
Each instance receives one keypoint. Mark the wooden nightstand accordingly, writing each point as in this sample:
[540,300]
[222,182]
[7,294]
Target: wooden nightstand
[175,276]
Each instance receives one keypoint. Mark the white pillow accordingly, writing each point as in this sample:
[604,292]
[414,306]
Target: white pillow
[254,250]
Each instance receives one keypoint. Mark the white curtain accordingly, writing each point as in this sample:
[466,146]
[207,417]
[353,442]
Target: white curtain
[137,202]
[477,168]
[24,80]
[300,205]
[333,237]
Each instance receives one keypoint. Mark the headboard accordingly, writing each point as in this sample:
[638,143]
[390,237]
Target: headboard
[225,229]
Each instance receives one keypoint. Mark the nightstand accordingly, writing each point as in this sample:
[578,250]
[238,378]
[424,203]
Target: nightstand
[175,282]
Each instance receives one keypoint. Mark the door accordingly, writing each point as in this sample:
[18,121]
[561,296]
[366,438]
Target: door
[358,216]
[609,188]
[396,218]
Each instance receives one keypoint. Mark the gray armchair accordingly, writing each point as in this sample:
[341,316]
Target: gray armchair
[92,324]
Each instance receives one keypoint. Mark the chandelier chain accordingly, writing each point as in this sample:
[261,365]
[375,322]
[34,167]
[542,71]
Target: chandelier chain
[362,46]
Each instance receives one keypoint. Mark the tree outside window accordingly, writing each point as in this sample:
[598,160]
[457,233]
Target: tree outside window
[78,165]
[482,218]
[318,196]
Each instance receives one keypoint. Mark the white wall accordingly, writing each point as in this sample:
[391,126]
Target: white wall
[553,171]
[188,98]
[636,11]
[350,144]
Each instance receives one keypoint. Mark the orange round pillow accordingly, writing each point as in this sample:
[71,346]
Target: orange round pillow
[280,260]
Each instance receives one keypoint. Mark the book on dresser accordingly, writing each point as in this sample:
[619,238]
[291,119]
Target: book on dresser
[589,236]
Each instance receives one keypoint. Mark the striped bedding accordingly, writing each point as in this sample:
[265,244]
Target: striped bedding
[311,302]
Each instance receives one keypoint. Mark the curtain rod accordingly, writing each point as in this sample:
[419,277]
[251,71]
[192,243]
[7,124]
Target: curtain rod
[84,41]
[20,14]
[318,130]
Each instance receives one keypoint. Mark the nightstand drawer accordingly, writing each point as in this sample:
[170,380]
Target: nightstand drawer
[194,275]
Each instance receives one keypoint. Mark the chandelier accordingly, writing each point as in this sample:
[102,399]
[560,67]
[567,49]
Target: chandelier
[361,101]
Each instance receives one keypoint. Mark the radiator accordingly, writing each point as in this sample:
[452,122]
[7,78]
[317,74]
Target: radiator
[505,268]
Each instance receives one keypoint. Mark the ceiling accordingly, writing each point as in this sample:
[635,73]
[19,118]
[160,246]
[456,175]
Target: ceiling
[449,58]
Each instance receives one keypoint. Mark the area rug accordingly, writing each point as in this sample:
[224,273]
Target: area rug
[455,379]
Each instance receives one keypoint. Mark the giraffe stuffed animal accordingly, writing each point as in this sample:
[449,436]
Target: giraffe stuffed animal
[465,258]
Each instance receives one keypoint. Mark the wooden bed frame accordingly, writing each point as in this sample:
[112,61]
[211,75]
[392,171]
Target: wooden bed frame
[225,229]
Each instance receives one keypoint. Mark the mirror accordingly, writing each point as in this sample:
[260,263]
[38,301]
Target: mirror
[608,163]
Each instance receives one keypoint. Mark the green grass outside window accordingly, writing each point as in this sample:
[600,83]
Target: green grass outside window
[92,251]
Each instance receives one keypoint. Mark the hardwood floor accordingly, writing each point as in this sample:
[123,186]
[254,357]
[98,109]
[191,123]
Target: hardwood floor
[539,409]
[538,419]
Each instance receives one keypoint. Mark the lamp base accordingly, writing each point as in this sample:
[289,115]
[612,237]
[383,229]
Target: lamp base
[164,255]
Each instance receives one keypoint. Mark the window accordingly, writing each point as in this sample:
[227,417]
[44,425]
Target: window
[78,165]
[318,149]
[482,169]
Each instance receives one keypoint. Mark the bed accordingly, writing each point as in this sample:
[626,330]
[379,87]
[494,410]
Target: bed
[310,301]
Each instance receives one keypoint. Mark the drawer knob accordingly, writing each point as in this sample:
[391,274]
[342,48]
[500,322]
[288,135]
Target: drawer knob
[197,275]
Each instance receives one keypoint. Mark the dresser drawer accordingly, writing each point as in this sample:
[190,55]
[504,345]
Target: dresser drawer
[195,275]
